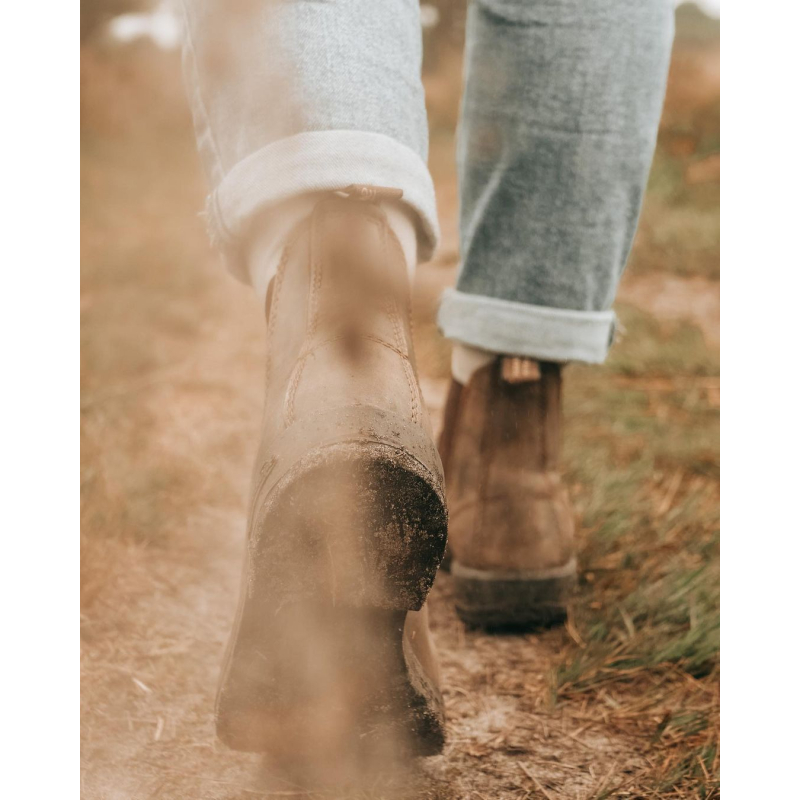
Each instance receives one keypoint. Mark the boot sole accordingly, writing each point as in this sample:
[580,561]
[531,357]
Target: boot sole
[498,600]
[344,544]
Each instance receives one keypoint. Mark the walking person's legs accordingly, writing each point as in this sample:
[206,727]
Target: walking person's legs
[559,120]
[294,101]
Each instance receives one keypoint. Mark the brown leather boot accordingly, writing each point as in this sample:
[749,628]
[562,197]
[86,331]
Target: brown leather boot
[348,522]
[511,526]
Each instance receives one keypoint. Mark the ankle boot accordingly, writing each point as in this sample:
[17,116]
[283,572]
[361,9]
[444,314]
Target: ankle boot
[511,525]
[348,523]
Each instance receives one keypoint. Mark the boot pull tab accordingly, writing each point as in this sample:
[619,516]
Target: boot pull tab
[370,194]
[515,369]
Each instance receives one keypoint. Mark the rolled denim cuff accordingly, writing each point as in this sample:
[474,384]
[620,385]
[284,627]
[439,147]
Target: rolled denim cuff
[512,328]
[317,161]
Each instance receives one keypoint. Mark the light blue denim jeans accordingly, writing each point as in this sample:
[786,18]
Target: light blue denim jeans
[559,119]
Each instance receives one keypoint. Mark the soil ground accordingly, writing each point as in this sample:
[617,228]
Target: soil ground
[623,702]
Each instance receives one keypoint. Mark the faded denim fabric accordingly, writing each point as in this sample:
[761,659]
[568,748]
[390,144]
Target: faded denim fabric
[296,96]
[559,118]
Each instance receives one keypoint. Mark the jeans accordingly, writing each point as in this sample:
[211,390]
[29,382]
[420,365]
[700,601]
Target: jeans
[559,119]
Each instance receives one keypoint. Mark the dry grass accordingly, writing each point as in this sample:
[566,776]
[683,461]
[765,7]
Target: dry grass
[155,329]
[623,703]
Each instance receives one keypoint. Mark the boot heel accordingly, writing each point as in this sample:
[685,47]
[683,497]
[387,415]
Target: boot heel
[318,640]
[503,600]
[360,517]
[364,525]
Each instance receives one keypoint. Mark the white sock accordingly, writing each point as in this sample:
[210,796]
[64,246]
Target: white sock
[467,360]
[267,247]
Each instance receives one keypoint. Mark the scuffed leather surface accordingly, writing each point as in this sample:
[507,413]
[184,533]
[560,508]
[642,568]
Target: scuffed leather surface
[509,509]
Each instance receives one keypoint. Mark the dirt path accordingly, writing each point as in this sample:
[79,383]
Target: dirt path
[151,672]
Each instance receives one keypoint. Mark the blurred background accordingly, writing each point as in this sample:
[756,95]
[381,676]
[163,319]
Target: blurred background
[624,702]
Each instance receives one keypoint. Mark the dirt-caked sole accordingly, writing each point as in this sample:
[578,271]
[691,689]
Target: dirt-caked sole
[343,545]
[512,601]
